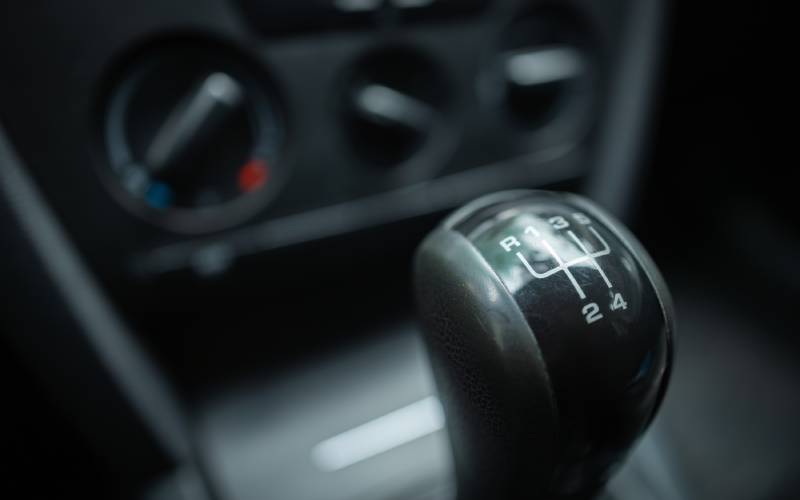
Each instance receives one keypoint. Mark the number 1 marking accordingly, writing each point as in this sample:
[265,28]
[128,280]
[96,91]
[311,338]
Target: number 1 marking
[532,231]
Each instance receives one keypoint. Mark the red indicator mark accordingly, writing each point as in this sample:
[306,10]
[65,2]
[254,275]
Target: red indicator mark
[253,175]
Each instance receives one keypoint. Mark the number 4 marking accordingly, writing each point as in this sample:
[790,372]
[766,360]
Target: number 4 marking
[618,303]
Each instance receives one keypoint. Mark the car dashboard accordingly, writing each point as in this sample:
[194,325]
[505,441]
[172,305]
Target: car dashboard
[210,207]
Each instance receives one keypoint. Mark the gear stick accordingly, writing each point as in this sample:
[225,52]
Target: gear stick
[550,332]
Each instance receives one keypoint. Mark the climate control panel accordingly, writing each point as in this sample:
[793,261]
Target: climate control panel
[226,129]
[193,136]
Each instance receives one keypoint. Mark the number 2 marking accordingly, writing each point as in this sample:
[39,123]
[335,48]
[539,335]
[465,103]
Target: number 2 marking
[592,313]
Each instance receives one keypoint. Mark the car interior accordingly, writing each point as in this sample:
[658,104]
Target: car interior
[236,267]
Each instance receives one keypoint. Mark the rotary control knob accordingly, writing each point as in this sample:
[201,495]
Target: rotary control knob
[193,138]
[546,75]
[394,106]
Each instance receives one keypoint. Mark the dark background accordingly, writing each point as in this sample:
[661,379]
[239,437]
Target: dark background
[718,211]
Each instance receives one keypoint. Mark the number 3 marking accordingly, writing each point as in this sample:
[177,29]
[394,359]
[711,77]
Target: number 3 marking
[558,222]
[592,313]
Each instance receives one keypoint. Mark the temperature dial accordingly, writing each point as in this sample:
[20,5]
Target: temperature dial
[193,138]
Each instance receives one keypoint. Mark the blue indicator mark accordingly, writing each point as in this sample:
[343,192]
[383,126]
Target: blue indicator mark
[159,195]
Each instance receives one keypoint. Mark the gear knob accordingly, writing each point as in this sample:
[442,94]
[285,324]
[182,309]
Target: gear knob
[550,332]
